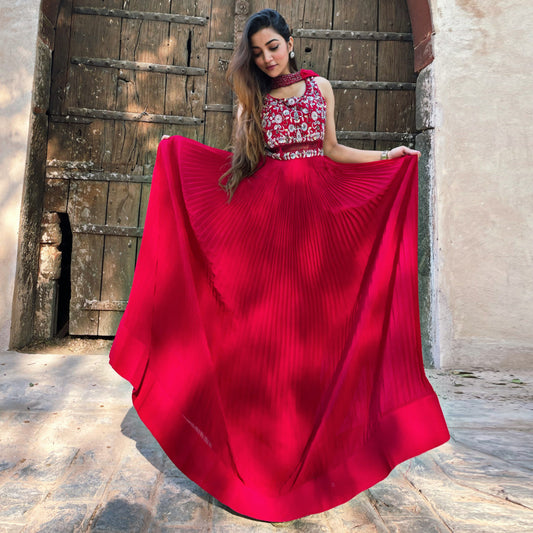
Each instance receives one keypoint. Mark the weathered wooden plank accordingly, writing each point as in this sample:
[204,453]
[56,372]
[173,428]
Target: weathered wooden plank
[315,53]
[142,116]
[104,229]
[91,88]
[142,41]
[221,108]
[138,65]
[353,34]
[88,86]
[375,136]
[104,305]
[373,85]
[70,164]
[85,207]
[60,63]
[145,196]
[395,111]
[119,251]
[68,141]
[134,146]
[114,4]
[354,60]
[220,45]
[295,14]
[185,96]
[257,5]
[64,119]
[393,16]
[217,130]
[97,176]
[140,15]
[55,196]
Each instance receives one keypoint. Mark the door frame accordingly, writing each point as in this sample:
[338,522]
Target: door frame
[26,294]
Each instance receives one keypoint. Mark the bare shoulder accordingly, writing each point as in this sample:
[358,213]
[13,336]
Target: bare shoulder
[325,86]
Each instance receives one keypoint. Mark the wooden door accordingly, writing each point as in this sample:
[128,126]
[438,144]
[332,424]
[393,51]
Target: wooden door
[125,72]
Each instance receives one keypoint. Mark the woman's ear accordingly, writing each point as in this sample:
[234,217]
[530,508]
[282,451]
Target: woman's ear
[291,44]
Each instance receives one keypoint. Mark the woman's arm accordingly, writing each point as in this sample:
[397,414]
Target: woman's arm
[345,154]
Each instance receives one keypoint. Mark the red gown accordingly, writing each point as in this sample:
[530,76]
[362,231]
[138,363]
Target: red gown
[273,342]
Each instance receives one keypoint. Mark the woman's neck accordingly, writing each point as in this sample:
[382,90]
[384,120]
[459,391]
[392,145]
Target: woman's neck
[284,80]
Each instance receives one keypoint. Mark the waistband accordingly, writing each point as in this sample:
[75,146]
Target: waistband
[296,150]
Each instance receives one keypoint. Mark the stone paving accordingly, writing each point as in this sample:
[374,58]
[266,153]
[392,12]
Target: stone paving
[75,458]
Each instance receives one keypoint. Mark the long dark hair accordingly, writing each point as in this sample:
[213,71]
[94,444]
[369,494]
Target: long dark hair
[250,85]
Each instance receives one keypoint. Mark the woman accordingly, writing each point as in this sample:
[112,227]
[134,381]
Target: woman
[273,339]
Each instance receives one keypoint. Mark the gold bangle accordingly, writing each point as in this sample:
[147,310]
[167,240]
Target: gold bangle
[385,154]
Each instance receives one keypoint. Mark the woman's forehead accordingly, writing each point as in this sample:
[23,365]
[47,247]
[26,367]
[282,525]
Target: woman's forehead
[264,36]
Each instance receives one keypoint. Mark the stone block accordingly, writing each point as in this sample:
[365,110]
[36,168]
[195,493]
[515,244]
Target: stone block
[122,516]
[45,318]
[16,499]
[424,143]
[181,502]
[49,262]
[425,116]
[49,469]
[50,228]
[81,484]
[58,519]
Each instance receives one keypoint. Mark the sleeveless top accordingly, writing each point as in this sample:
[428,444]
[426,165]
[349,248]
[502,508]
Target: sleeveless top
[294,127]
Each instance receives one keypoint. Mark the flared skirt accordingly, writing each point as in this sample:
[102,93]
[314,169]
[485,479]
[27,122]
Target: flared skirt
[273,342]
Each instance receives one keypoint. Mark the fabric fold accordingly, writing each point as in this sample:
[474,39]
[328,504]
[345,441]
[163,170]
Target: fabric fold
[273,342]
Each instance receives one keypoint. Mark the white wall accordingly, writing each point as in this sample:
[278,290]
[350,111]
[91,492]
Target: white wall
[18,37]
[483,73]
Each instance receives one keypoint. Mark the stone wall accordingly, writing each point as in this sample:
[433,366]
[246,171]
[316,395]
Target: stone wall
[18,35]
[483,113]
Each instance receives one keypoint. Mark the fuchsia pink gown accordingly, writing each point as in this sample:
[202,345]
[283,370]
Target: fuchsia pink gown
[273,343]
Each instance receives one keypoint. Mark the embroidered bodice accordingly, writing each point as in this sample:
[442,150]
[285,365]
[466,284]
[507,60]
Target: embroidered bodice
[294,127]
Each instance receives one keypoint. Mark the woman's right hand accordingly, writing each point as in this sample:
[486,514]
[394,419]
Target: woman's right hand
[164,137]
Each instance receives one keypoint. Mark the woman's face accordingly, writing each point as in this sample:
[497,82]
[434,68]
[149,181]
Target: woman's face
[270,52]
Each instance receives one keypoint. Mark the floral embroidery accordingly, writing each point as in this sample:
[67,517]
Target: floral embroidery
[294,120]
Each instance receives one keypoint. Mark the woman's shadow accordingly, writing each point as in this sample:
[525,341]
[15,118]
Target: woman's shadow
[133,428]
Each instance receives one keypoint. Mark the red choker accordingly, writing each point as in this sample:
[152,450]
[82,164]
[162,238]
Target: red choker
[284,80]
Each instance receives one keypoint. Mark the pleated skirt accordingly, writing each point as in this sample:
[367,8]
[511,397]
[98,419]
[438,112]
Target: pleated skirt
[273,342]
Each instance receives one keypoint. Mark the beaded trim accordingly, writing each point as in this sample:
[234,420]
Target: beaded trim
[284,80]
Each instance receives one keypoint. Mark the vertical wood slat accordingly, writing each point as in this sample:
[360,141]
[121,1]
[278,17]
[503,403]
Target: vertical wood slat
[60,64]
[95,88]
[85,206]
[394,112]
[119,252]
[218,125]
[187,46]
[315,53]
[354,60]
[136,91]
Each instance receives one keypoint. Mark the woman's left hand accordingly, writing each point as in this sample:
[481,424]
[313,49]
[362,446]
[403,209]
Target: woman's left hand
[400,151]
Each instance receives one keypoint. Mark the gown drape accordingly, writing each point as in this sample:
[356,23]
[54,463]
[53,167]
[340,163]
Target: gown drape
[273,342]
